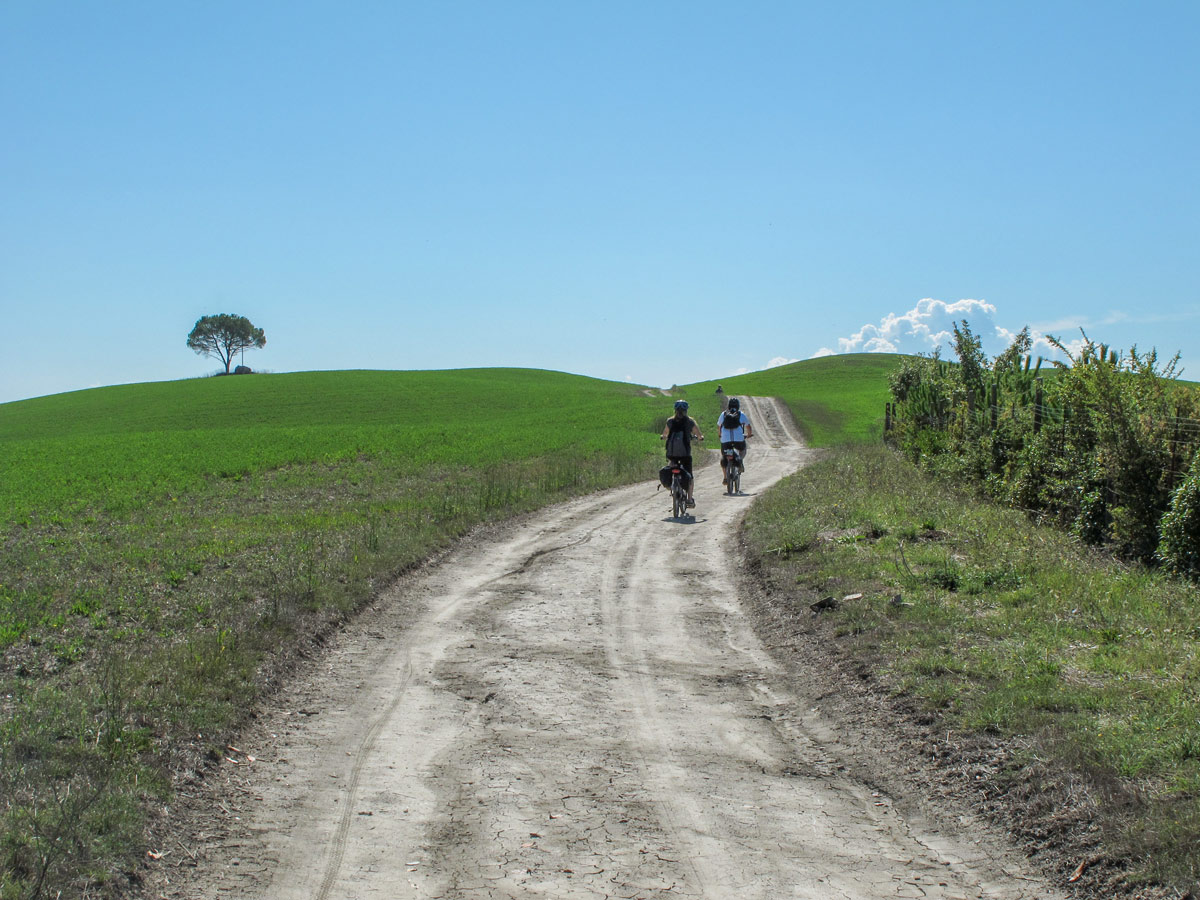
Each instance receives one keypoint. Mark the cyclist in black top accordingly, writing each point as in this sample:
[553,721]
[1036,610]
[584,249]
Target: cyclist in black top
[678,433]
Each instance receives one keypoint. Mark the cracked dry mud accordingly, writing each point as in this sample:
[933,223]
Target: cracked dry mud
[578,709]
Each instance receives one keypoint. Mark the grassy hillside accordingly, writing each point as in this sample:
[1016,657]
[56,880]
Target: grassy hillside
[167,546]
[116,449]
[834,399]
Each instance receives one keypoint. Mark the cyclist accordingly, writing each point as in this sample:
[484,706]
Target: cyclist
[735,428]
[678,433]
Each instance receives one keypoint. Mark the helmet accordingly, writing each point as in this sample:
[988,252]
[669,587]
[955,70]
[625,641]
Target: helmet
[681,404]
[734,404]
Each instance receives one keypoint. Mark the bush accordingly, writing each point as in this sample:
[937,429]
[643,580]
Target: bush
[1092,448]
[1179,548]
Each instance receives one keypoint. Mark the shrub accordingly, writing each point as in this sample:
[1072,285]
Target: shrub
[1094,447]
[1179,548]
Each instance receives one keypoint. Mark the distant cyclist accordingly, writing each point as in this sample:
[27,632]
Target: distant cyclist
[678,433]
[735,428]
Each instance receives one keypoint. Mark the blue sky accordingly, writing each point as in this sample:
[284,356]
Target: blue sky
[659,192]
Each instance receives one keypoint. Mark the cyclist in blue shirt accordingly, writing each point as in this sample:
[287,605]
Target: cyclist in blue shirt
[735,428]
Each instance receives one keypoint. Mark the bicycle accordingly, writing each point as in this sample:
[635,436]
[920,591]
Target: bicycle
[679,495]
[733,471]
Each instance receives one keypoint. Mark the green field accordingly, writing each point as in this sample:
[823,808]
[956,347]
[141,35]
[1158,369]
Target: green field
[116,449]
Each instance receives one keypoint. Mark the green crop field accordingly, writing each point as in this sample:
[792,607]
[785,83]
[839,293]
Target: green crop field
[117,449]
[126,495]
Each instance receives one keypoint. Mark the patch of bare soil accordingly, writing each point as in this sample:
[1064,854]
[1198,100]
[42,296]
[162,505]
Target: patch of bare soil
[578,706]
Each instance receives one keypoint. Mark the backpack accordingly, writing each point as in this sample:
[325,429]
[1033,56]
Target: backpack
[678,443]
[731,421]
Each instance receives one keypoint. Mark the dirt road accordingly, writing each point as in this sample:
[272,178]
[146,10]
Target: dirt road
[578,709]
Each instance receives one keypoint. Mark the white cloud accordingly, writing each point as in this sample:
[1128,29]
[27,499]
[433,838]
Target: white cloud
[929,326]
[925,327]
[780,361]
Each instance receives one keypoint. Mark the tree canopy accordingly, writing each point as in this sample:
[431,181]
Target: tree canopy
[223,335]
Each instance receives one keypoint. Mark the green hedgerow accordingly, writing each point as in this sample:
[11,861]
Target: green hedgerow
[1179,548]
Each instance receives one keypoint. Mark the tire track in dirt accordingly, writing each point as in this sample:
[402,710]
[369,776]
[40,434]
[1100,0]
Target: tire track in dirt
[338,842]
[579,709]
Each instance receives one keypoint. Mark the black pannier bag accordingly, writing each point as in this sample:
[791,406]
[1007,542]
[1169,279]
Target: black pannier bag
[664,474]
